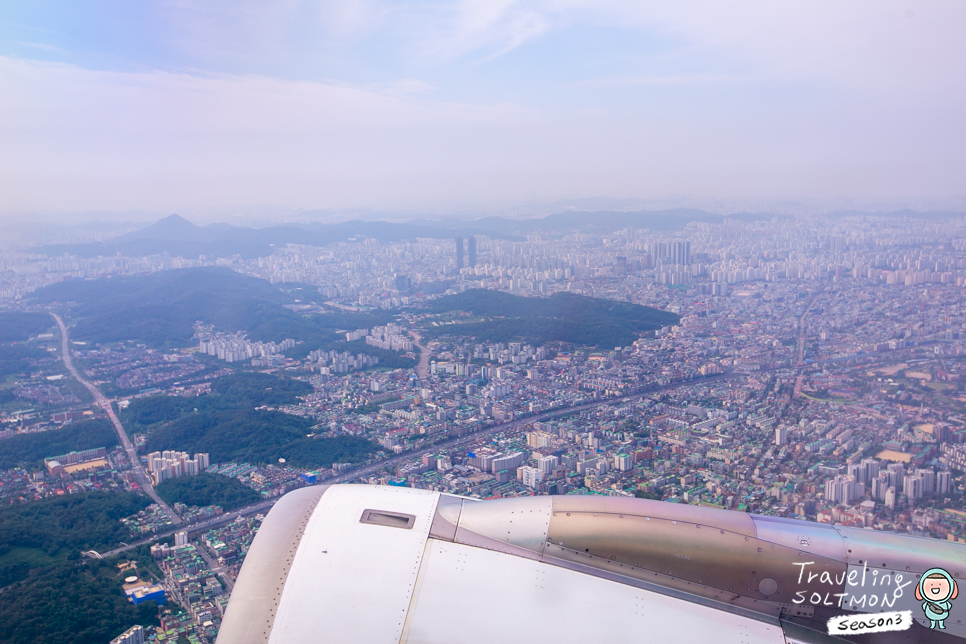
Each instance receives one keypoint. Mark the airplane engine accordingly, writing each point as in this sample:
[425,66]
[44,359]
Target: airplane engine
[373,564]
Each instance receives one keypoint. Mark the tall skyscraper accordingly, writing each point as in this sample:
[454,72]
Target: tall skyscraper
[781,435]
[471,250]
[621,265]
[681,252]
[459,253]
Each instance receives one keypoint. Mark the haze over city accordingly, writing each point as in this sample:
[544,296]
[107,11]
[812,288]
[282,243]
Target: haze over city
[483,321]
[219,109]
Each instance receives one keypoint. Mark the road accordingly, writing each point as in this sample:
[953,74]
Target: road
[264,506]
[378,466]
[105,404]
[215,567]
[502,427]
[802,328]
[422,369]
[197,526]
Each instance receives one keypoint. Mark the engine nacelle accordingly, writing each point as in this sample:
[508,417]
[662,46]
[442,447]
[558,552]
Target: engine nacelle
[357,563]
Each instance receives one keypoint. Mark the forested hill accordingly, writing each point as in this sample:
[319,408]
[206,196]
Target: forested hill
[18,327]
[160,309]
[229,425]
[565,317]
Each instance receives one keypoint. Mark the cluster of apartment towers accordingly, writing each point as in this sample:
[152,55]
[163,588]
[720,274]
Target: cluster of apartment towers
[885,484]
[170,464]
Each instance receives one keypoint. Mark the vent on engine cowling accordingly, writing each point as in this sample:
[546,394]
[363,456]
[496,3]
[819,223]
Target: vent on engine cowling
[389,519]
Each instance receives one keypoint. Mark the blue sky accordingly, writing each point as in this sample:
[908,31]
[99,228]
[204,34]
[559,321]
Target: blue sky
[436,107]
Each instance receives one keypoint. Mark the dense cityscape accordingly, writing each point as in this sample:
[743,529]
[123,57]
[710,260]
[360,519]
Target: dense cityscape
[810,368]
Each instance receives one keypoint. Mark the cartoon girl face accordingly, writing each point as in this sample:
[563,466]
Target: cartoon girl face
[936,588]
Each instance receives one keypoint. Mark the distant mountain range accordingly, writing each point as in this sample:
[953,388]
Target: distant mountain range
[160,309]
[181,238]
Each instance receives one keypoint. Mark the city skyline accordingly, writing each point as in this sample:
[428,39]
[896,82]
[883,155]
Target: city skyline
[806,369]
[369,320]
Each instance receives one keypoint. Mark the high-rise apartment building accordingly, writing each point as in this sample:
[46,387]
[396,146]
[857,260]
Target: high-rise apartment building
[471,251]
[623,462]
[890,498]
[459,253]
[530,476]
[539,440]
[547,464]
[942,482]
[133,635]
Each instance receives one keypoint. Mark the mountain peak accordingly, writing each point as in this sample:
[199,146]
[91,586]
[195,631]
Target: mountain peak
[171,227]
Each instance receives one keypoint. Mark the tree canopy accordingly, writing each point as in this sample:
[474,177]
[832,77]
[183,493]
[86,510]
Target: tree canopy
[74,522]
[160,309]
[18,327]
[28,450]
[257,436]
[208,489]
[563,317]
[70,603]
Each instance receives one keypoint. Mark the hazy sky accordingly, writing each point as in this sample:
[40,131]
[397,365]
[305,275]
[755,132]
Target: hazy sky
[185,105]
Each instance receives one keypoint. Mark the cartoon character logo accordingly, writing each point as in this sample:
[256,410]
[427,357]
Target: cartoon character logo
[936,590]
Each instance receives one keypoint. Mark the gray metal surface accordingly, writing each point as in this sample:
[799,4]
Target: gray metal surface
[807,537]
[765,568]
[254,600]
[521,522]
[447,517]
[750,565]
[902,552]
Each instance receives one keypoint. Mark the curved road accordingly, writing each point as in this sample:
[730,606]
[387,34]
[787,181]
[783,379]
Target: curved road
[105,404]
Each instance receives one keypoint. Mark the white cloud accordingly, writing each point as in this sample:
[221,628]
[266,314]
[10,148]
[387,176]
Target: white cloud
[766,99]
[863,41]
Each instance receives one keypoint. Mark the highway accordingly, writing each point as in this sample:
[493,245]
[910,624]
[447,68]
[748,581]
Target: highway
[802,327]
[422,369]
[196,526]
[122,436]
[456,441]
[378,466]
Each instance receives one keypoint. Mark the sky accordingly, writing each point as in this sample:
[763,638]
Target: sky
[437,107]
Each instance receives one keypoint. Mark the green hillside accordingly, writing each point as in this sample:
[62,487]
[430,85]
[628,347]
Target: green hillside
[18,327]
[29,450]
[257,436]
[240,391]
[208,489]
[74,522]
[17,359]
[563,317]
[227,425]
[160,310]
[72,602]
